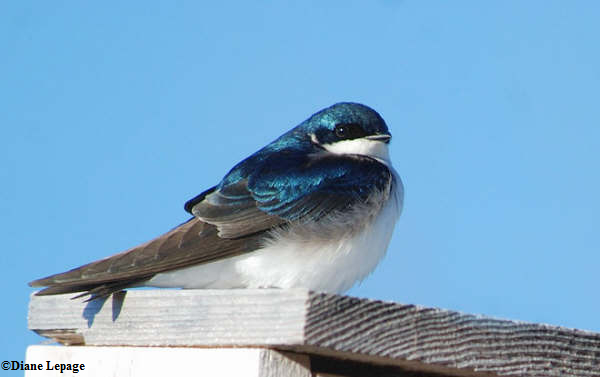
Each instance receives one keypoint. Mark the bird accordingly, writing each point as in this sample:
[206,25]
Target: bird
[314,209]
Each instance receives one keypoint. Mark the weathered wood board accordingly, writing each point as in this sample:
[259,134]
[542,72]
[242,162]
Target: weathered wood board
[407,336]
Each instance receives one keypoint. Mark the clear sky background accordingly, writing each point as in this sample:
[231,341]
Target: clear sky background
[114,114]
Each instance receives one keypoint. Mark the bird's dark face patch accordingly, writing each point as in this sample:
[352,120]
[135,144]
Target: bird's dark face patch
[349,131]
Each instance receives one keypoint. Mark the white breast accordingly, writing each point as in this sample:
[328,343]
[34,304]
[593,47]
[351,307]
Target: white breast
[332,262]
[328,257]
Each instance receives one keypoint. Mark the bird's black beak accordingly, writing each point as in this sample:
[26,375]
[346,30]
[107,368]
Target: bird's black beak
[385,138]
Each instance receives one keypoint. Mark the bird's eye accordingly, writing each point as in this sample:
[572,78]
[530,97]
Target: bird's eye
[349,131]
[341,131]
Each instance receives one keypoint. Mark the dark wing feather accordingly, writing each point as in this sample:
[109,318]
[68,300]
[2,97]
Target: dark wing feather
[289,187]
[234,211]
[193,242]
[315,187]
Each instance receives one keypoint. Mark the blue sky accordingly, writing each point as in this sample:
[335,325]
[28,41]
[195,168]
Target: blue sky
[113,115]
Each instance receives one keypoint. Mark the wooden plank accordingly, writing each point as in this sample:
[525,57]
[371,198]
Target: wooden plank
[165,361]
[442,337]
[174,318]
[411,337]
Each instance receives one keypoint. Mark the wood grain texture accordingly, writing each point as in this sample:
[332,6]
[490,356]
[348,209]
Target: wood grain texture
[407,336]
[175,318]
[284,364]
[442,337]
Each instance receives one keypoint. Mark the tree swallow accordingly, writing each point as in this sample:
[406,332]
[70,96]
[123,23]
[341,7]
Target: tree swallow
[314,209]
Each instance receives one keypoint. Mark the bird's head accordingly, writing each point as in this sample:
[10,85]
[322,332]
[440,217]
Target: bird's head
[346,128]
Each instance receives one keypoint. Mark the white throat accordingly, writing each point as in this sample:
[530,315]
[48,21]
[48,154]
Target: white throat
[373,148]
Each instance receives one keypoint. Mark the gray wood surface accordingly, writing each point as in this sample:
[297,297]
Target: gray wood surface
[415,338]
[283,364]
